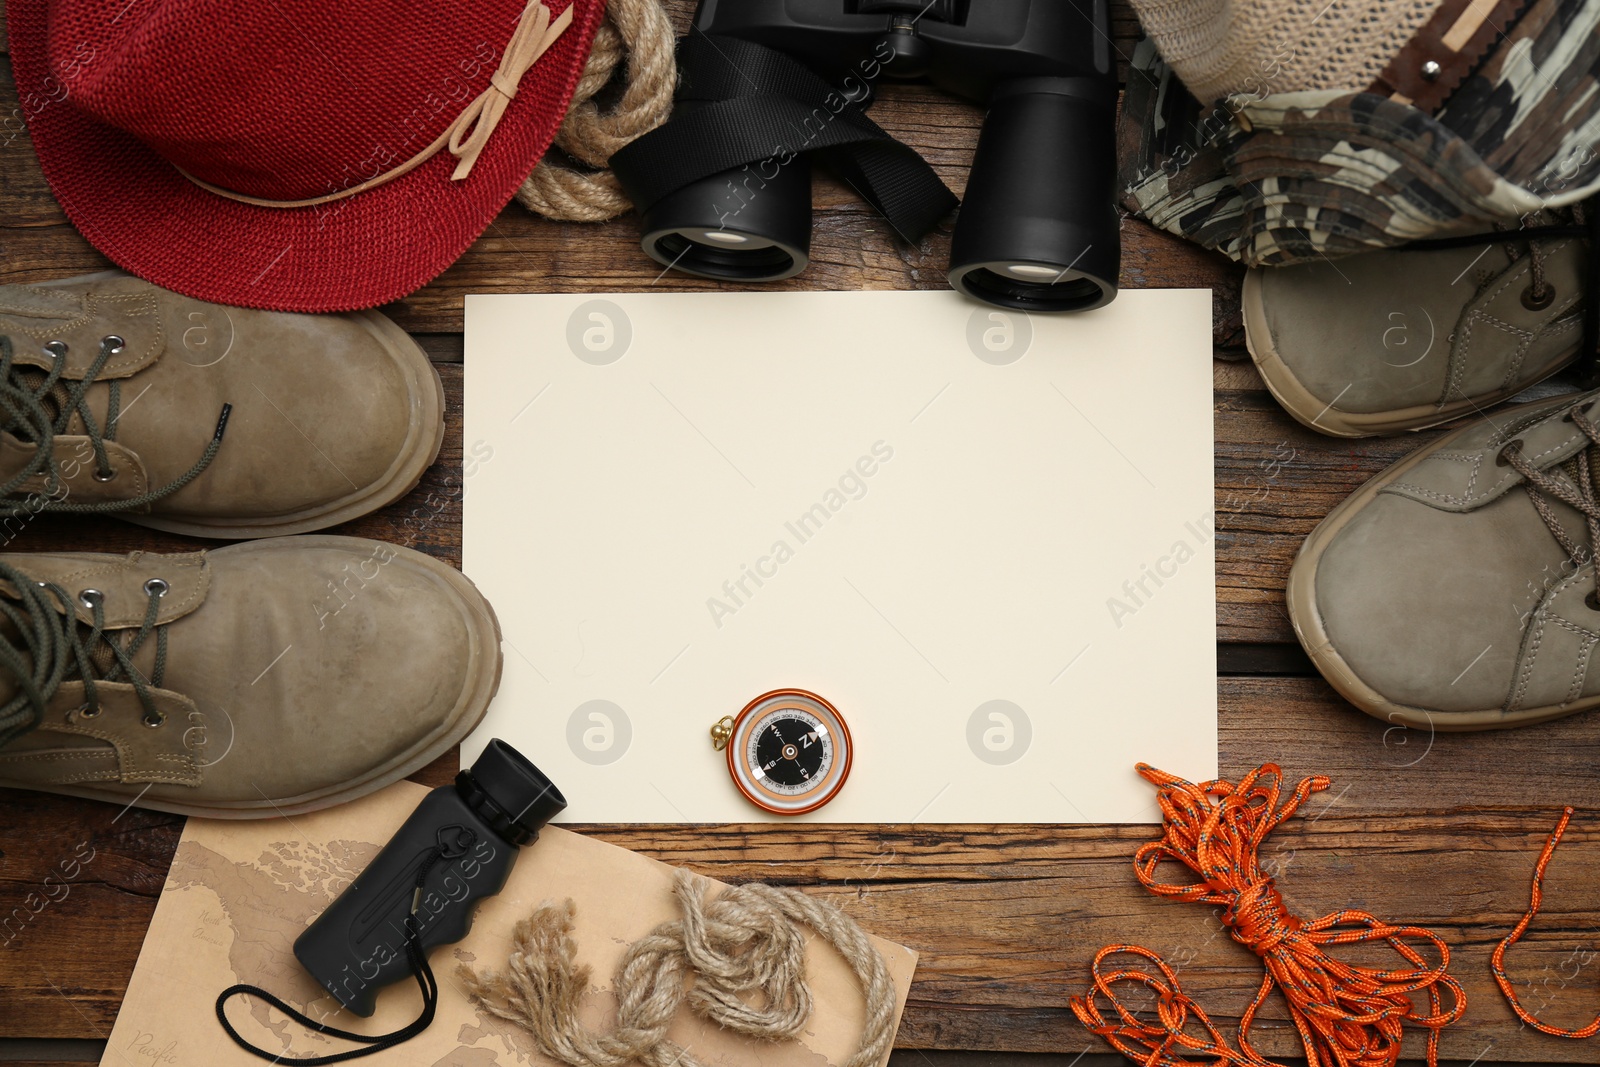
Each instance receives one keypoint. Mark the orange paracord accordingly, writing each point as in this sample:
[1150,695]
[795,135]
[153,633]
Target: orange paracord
[1347,1015]
[1497,961]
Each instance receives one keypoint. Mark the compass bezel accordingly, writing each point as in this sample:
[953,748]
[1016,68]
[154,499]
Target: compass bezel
[843,746]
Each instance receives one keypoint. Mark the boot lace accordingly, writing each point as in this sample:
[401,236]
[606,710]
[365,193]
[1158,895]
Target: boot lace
[45,645]
[1577,490]
[1580,221]
[1540,293]
[36,405]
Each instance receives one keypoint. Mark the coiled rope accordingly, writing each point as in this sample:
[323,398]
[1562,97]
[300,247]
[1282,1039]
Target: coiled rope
[640,32]
[1346,1015]
[738,960]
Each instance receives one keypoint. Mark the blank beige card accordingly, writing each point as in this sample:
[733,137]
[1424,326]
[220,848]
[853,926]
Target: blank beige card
[985,537]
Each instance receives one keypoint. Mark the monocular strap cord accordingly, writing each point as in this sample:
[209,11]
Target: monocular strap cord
[374,1044]
[753,106]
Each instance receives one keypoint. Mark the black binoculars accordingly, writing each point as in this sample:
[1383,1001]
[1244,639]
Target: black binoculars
[1038,229]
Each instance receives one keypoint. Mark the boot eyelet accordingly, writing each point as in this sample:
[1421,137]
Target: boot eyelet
[91,598]
[86,712]
[1592,601]
[1535,301]
[114,343]
[154,721]
[1504,458]
[58,349]
[156,587]
[108,476]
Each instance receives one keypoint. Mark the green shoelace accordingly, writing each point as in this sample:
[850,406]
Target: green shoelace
[50,646]
[36,405]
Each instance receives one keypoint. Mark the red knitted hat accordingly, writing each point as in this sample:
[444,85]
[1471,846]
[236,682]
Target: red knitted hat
[166,127]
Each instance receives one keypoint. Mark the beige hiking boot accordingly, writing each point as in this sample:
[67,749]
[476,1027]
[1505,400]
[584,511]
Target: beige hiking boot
[1403,340]
[1457,589]
[117,396]
[256,680]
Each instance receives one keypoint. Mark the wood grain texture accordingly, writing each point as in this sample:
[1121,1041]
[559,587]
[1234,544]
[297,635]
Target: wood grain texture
[1440,831]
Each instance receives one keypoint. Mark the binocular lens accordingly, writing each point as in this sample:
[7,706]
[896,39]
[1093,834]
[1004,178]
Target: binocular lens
[750,225]
[1032,287]
[1038,228]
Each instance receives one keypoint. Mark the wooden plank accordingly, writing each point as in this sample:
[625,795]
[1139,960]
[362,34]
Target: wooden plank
[1263,659]
[1441,831]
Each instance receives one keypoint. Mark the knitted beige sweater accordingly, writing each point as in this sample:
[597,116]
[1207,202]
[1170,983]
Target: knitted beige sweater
[1219,47]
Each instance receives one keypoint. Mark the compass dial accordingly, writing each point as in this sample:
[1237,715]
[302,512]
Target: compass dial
[789,752]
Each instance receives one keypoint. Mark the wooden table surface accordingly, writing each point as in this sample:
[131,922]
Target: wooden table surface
[1440,831]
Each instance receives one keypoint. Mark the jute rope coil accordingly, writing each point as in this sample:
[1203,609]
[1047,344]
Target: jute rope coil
[639,31]
[746,941]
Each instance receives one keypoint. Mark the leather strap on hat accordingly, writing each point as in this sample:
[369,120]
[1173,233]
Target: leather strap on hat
[465,137]
[1445,50]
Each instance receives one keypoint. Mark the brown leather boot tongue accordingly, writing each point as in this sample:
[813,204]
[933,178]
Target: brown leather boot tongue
[79,322]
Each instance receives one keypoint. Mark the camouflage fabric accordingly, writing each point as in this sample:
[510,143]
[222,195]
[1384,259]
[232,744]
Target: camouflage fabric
[1292,176]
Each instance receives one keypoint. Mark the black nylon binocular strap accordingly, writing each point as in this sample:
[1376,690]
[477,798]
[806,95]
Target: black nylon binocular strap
[754,104]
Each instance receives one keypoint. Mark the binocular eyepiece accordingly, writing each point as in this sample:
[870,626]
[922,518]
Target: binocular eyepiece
[1038,229]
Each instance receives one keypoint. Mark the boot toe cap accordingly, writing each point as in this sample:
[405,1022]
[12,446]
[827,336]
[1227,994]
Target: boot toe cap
[355,663]
[1422,606]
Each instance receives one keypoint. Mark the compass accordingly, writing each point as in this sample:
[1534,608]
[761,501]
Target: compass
[789,751]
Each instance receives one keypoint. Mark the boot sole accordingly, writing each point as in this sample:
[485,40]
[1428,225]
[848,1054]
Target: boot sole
[484,663]
[1316,414]
[1301,594]
[424,439]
